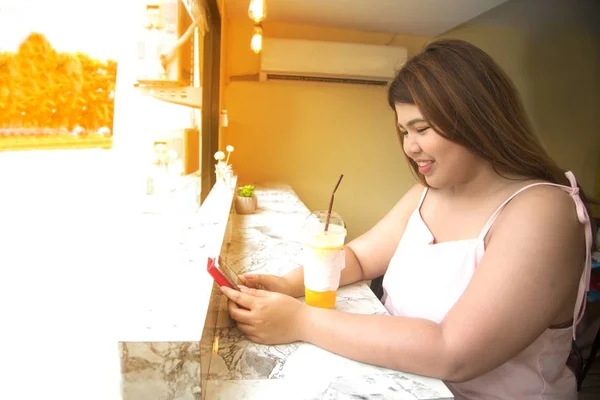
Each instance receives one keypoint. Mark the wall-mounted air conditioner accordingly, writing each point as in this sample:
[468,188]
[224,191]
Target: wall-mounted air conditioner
[311,60]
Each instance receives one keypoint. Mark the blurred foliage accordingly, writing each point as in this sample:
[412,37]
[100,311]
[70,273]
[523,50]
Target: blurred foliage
[45,89]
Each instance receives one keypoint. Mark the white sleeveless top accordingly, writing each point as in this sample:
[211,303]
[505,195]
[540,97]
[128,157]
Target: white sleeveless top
[425,279]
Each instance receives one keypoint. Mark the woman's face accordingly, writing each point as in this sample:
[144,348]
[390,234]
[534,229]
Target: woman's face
[443,163]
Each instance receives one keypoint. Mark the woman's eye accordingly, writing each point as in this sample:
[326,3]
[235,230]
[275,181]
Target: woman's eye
[403,132]
[421,130]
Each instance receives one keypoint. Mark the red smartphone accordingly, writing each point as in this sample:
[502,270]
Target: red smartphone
[222,273]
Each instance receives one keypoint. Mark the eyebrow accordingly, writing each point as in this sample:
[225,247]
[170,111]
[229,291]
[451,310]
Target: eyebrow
[412,122]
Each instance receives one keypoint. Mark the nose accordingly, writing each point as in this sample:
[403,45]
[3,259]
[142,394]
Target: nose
[411,145]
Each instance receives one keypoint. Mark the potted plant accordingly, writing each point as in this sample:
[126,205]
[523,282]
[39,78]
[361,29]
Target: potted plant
[245,200]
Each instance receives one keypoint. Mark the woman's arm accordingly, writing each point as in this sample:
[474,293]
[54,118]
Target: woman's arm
[367,256]
[530,271]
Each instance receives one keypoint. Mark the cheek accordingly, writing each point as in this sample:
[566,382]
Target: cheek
[436,146]
[451,155]
[459,160]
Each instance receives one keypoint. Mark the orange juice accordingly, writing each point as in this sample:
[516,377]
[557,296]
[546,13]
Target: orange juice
[320,299]
[323,254]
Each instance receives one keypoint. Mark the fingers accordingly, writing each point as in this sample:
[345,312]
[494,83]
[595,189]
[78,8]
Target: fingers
[249,330]
[250,280]
[243,323]
[239,314]
[257,281]
[243,299]
[254,292]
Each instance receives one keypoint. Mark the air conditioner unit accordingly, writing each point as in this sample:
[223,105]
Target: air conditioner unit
[312,60]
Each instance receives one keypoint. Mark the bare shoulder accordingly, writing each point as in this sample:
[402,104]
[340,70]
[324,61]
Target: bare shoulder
[411,198]
[545,213]
[543,201]
[407,203]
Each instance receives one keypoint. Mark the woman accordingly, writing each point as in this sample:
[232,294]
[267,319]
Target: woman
[486,262]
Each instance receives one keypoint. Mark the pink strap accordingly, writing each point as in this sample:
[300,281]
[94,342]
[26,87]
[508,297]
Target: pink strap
[582,215]
[492,219]
[584,283]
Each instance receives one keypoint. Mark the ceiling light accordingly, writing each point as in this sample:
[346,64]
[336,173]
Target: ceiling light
[256,42]
[257,11]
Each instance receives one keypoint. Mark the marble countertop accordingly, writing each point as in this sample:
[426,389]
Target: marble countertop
[177,341]
[267,242]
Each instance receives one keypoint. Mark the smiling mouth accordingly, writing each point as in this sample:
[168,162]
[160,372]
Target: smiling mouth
[423,163]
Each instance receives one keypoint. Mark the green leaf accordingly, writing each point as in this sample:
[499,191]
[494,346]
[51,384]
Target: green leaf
[246,191]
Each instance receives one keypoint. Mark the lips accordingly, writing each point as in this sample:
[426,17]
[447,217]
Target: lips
[425,166]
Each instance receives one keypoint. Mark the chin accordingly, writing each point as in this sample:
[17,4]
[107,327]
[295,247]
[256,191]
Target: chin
[435,183]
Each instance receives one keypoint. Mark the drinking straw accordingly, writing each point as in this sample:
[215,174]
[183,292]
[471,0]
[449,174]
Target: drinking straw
[331,202]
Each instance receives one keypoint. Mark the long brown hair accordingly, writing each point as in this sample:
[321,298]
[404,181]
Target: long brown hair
[469,100]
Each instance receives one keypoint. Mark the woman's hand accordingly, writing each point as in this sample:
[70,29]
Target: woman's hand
[266,317]
[272,283]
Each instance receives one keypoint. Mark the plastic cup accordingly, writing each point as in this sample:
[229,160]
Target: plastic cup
[323,258]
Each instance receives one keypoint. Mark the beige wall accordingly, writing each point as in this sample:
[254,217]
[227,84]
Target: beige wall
[555,65]
[306,134]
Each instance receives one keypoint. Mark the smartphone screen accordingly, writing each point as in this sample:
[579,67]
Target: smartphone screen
[228,273]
